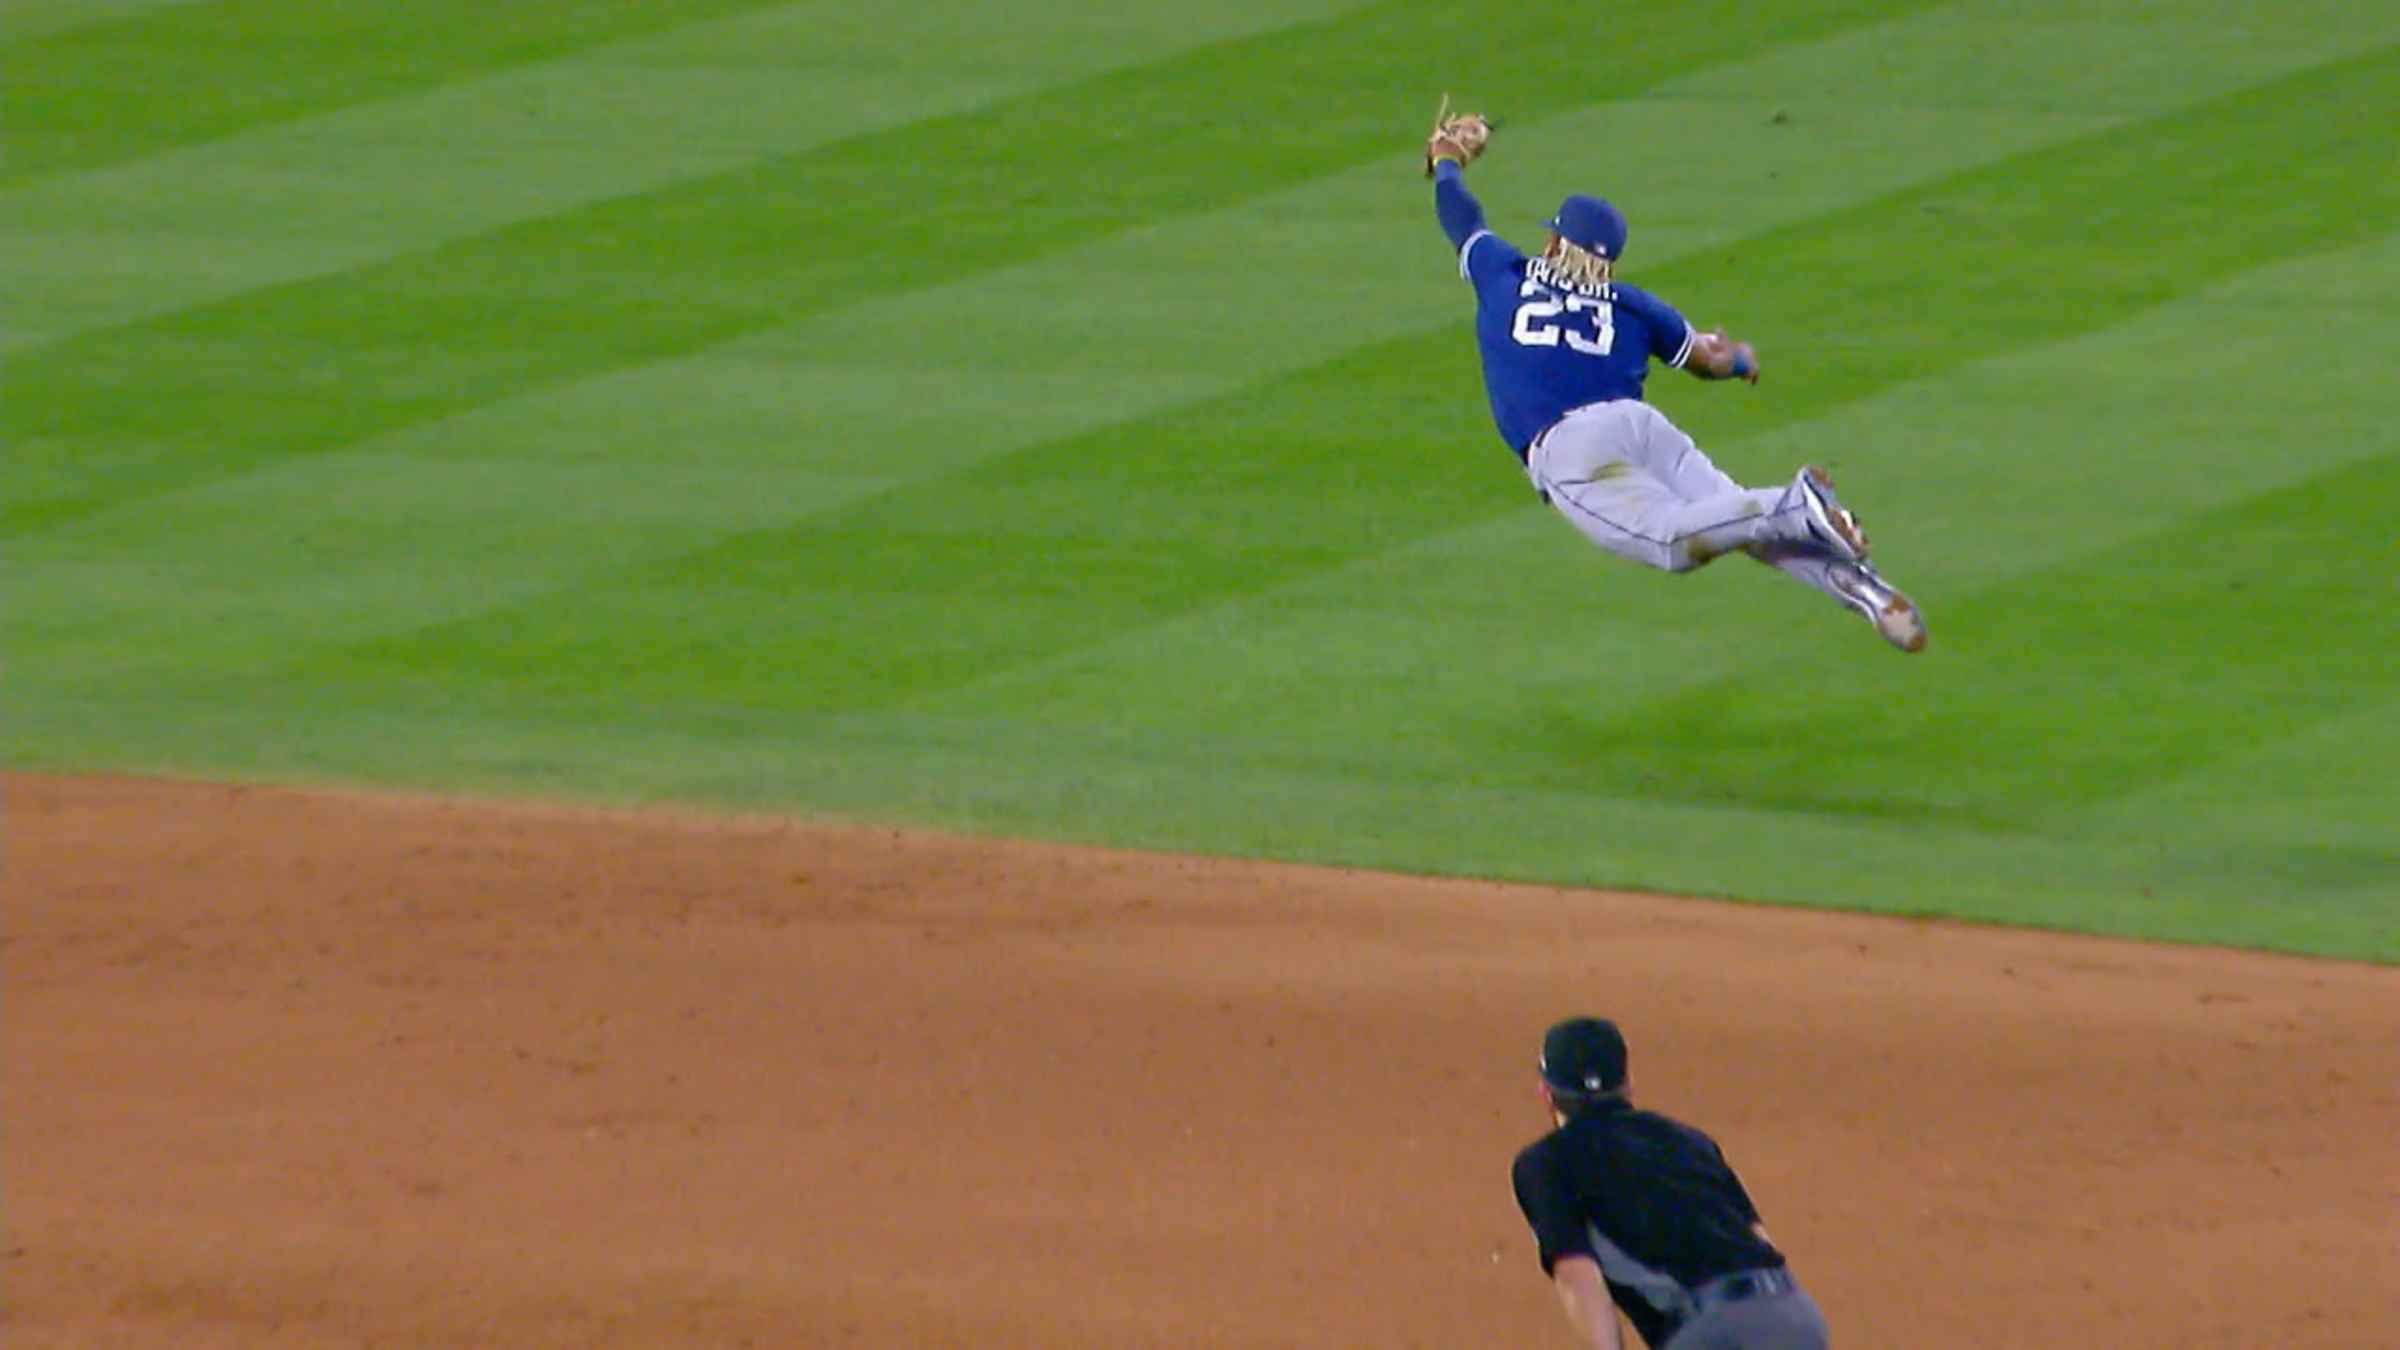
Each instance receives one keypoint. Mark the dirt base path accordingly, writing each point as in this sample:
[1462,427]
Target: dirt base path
[303,1069]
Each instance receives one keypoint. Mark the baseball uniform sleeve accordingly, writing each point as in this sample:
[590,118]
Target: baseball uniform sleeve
[1480,251]
[1552,1207]
[1487,255]
[1670,333]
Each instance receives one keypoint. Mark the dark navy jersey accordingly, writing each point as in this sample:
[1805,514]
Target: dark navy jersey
[1550,346]
[1650,1199]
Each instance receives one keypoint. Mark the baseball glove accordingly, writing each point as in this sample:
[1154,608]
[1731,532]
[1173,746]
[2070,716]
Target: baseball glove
[1456,136]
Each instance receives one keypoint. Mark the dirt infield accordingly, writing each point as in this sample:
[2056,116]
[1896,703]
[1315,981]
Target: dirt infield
[295,1069]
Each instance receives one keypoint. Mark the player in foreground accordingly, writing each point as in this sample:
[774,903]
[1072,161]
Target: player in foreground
[1566,347]
[1632,1210]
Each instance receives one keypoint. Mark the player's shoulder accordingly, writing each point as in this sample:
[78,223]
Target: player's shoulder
[1539,1158]
[1487,254]
[1626,293]
[1691,1135]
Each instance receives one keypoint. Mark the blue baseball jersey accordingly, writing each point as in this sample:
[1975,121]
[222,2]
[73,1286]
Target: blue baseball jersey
[1549,345]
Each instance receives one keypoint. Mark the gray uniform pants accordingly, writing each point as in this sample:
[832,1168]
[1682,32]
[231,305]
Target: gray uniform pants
[1634,484]
[1776,1322]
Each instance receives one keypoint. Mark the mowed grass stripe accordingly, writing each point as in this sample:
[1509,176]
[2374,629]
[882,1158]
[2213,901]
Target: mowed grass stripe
[1141,317]
[24,20]
[930,381]
[1976,477]
[228,576]
[1121,328]
[108,92]
[806,417]
[2088,681]
[1693,213]
[349,187]
[130,412]
[2111,59]
[2057,242]
[1071,543]
[2325,788]
[1980,485]
[1276,283]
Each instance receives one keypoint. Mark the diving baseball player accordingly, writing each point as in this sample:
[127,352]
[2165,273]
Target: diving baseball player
[1566,347]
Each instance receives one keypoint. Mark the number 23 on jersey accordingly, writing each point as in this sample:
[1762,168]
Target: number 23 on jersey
[1546,316]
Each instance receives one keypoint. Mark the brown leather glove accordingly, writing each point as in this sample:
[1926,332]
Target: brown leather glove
[1458,137]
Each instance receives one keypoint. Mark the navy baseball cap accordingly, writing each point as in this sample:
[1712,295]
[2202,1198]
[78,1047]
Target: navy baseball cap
[1584,1055]
[1588,222]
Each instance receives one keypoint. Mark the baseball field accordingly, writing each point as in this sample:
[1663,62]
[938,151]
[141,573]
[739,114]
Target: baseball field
[717,672]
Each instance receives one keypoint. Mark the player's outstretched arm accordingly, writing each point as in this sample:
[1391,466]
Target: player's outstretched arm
[1717,357]
[1461,215]
[1456,137]
[1455,142]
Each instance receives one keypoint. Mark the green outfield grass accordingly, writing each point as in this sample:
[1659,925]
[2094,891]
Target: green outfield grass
[1061,420]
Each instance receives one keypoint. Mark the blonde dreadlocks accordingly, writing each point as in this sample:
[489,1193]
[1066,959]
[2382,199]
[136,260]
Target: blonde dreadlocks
[1578,266]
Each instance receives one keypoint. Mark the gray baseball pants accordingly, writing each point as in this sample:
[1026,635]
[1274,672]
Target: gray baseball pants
[1636,485]
[1777,1322]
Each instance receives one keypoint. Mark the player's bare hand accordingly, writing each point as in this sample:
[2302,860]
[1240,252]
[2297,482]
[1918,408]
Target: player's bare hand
[1745,361]
[1718,357]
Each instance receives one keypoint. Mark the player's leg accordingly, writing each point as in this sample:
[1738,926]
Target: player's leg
[1670,455]
[1590,468]
[1687,469]
[1634,516]
[1857,586]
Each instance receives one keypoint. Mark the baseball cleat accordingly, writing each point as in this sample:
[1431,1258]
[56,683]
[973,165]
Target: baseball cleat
[1826,518]
[1894,615]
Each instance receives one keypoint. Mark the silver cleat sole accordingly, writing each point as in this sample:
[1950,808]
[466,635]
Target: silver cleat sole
[1894,615]
[1837,527]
